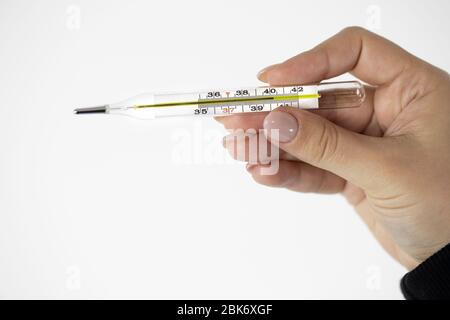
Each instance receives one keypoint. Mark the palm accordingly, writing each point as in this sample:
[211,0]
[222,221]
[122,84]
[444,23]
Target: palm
[384,211]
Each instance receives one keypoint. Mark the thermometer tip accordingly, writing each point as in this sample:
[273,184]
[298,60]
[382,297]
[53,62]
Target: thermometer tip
[98,109]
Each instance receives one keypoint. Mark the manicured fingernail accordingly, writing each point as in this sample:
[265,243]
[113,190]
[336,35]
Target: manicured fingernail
[262,75]
[284,122]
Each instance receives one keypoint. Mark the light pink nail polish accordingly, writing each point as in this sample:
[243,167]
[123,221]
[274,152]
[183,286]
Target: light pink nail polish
[284,122]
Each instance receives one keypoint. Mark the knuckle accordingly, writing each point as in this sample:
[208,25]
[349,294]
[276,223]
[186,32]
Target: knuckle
[354,30]
[325,147]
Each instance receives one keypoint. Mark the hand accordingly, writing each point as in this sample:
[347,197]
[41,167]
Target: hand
[390,158]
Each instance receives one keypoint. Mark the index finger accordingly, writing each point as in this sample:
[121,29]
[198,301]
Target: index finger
[367,56]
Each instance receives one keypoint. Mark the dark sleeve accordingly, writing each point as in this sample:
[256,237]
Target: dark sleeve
[430,280]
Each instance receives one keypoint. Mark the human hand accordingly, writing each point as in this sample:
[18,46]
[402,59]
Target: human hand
[390,158]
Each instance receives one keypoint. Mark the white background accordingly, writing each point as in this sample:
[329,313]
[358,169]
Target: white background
[104,207]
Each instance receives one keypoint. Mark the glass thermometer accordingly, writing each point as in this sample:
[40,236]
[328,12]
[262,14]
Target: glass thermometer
[224,102]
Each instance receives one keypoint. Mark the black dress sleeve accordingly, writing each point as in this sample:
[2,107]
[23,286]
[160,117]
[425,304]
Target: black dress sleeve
[430,280]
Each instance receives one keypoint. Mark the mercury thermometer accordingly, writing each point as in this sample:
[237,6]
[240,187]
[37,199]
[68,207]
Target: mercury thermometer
[224,102]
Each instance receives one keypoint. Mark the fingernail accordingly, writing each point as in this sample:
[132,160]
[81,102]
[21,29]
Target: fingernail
[262,75]
[284,122]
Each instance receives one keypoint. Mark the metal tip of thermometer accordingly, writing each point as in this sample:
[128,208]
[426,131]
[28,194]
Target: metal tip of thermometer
[98,109]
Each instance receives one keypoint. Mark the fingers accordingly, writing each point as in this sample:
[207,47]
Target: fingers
[290,173]
[360,159]
[366,55]
[300,177]
[254,148]
[243,121]
[336,149]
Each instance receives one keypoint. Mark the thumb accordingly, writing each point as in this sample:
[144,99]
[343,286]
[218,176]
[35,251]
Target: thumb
[319,142]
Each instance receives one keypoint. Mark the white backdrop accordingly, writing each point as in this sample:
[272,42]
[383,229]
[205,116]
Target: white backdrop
[111,207]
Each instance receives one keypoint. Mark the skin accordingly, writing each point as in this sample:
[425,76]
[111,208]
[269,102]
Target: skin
[390,158]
